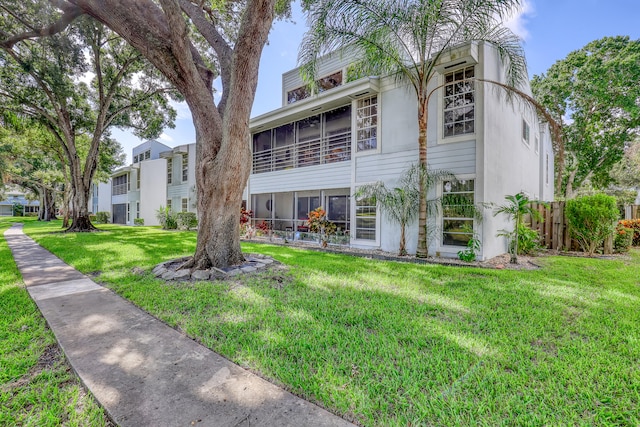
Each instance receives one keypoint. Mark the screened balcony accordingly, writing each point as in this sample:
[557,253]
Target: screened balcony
[316,140]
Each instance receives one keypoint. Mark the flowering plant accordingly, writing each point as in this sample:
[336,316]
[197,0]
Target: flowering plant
[318,223]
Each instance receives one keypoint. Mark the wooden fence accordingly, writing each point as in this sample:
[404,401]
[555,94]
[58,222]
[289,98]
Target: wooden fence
[554,231]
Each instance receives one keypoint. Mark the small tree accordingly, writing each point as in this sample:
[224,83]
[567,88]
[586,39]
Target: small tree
[166,218]
[591,220]
[517,207]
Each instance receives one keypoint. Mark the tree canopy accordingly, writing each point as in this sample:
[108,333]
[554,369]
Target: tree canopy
[191,43]
[595,92]
[77,83]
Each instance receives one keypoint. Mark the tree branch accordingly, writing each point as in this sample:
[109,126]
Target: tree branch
[69,15]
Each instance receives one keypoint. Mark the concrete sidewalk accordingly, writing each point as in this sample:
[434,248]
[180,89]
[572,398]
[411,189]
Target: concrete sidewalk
[143,372]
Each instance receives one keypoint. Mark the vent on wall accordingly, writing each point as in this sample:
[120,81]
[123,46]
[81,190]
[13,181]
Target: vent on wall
[455,65]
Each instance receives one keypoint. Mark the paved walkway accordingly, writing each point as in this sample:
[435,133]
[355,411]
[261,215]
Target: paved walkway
[143,372]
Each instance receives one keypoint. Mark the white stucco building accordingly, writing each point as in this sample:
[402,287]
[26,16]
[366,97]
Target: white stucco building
[318,148]
[159,176]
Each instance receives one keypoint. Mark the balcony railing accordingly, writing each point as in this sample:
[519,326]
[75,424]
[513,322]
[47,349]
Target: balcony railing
[309,152]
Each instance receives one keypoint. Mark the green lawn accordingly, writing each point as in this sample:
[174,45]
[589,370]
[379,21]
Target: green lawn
[37,386]
[385,343]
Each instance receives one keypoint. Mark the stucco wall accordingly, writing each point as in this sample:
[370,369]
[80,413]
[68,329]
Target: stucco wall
[153,189]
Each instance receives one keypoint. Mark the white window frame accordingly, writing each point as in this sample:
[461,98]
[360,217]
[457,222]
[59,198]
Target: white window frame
[442,139]
[184,205]
[441,217]
[354,223]
[526,132]
[354,127]
[170,170]
[185,167]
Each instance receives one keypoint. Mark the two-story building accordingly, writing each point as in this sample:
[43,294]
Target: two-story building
[318,148]
[160,176]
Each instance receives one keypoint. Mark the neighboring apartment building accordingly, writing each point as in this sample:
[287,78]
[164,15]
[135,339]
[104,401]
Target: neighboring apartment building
[318,148]
[159,176]
[14,196]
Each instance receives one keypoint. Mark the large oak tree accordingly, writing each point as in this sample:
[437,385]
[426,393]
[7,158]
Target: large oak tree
[42,78]
[183,39]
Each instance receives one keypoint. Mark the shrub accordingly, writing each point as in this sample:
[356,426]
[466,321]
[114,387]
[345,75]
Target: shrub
[92,217]
[318,223]
[591,220]
[634,224]
[138,221]
[623,239]
[102,217]
[166,218]
[186,220]
[528,240]
[18,209]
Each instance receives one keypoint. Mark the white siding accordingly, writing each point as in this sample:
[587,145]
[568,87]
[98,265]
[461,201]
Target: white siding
[321,177]
[458,157]
[383,167]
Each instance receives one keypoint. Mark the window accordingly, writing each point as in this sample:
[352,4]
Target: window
[138,178]
[306,205]
[525,132]
[135,159]
[137,209]
[458,201]
[128,212]
[169,171]
[169,205]
[185,167]
[338,211]
[147,155]
[329,82]
[128,183]
[298,94]
[185,205]
[367,124]
[546,173]
[262,152]
[336,145]
[119,185]
[366,218]
[459,102]
[322,84]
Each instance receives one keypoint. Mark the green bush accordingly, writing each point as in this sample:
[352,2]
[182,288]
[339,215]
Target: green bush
[18,209]
[186,220]
[92,217]
[623,239]
[167,218]
[102,217]
[138,221]
[528,240]
[591,220]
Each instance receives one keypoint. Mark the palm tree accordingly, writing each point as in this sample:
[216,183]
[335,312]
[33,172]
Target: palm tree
[401,203]
[517,207]
[406,38]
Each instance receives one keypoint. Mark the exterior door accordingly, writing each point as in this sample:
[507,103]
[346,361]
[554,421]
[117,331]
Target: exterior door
[119,214]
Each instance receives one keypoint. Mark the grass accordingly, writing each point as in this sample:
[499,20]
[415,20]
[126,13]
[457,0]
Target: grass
[384,343]
[37,386]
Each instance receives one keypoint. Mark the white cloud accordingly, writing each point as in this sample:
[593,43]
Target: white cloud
[164,137]
[182,110]
[518,21]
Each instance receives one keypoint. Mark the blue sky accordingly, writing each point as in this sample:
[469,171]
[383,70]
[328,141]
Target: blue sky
[550,29]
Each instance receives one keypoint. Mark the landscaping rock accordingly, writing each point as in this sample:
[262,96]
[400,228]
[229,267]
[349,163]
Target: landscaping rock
[159,270]
[168,275]
[248,269]
[182,275]
[201,275]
